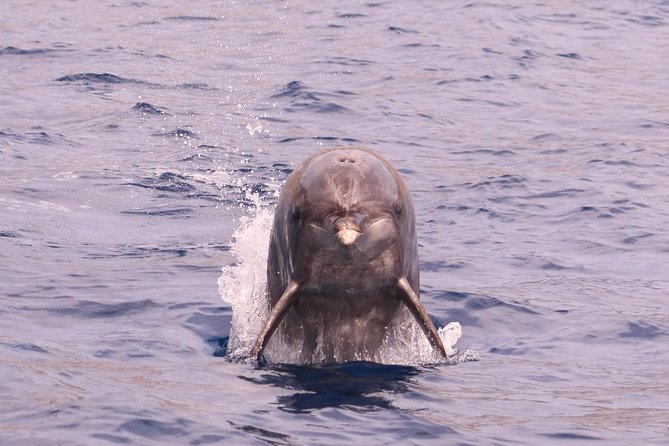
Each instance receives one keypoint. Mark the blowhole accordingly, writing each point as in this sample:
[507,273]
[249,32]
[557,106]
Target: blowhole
[347,160]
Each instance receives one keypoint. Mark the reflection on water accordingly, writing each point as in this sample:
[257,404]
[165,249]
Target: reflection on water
[360,386]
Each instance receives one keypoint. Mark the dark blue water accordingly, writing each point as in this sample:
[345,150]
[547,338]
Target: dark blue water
[137,137]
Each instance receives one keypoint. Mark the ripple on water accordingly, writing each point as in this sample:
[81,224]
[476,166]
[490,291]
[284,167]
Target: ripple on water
[193,18]
[102,78]
[31,348]
[8,136]
[91,309]
[345,140]
[148,109]
[162,211]
[166,182]
[643,330]
[179,133]
[303,99]
[149,428]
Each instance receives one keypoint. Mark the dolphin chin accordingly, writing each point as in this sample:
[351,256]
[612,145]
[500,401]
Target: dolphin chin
[347,236]
[342,259]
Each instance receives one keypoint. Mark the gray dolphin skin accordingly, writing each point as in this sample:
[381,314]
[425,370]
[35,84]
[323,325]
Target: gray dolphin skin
[343,258]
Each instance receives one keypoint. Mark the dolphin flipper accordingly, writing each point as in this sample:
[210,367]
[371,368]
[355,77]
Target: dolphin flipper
[418,311]
[277,314]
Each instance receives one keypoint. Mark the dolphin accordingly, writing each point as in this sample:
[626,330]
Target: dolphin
[343,258]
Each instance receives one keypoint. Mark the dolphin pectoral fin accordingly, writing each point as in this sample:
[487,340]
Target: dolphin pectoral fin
[277,314]
[418,311]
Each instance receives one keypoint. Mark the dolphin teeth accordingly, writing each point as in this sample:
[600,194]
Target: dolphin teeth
[347,236]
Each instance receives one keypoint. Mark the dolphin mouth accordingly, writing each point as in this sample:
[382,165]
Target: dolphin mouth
[377,237]
[372,240]
[347,236]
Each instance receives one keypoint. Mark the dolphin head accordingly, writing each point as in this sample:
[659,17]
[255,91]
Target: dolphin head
[347,213]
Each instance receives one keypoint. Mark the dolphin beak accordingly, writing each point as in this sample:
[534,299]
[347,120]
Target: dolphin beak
[347,236]
[347,229]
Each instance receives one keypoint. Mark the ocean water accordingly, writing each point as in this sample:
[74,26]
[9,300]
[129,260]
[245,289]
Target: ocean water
[142,148]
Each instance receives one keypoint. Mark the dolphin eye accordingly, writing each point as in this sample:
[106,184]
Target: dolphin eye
[297,216]
[398,209]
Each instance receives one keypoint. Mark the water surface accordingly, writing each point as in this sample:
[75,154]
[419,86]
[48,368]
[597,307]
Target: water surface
[136,137]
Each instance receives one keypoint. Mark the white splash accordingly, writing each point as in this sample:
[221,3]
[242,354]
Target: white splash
[243,286]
